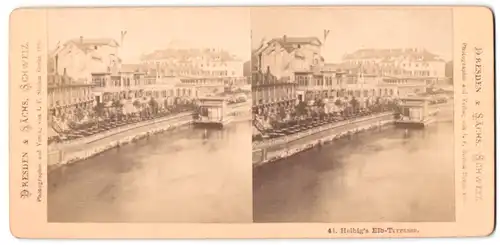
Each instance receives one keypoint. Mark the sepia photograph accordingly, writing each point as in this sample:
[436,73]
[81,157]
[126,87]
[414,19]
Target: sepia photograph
[149,115]
[279,122]
[353,115]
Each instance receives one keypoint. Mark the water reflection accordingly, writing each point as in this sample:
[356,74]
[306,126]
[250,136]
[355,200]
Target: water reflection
[191,175]
[389,175]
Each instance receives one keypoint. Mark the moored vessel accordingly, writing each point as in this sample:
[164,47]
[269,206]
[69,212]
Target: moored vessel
[416,113]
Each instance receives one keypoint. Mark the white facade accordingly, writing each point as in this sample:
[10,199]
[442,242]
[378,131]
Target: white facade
[194,63]
[285,56]
[80,58]
[399,62]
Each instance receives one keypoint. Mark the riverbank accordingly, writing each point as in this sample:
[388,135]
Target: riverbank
[72,152]
[409,177]
[63,157]
[273,150]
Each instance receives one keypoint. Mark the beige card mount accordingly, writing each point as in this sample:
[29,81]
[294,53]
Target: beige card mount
[263,122]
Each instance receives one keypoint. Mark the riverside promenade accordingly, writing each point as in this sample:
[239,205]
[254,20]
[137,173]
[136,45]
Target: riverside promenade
[268,151]
[76,150]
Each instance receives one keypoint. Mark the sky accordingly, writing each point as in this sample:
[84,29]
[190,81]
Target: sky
[149,29]
[238,29]
[352,29]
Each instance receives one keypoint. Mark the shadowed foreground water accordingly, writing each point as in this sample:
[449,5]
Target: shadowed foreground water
[378,176]
[185,176]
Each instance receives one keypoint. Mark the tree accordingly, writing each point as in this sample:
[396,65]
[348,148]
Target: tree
[354,104]
[99,109]
[117,105]
[301,108]
[165,103]
[338,102]
[196,113]
[137,104]
[282,113]
[153,105]
[79,115]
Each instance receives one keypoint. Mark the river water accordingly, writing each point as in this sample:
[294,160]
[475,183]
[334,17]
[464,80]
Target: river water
[184,176]
[385,175]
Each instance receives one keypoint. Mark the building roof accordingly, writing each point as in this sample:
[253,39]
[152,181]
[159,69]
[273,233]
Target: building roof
[84,44]
[87,44]
[94,41]
[288,43]
[64,81]
[285,40]
[132,68]
[387,54]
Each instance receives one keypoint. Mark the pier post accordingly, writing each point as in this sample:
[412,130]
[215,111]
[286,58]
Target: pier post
[61,156]
[264,155]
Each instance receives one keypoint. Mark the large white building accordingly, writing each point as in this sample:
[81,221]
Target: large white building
[411,63]
[286,55]
[194,63]
[80,57]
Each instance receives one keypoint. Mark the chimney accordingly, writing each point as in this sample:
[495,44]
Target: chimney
[56,63]
[81,39]
[284,38]
[64,78]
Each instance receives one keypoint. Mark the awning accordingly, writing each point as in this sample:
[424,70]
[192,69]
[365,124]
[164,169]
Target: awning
[255,131]
[51,132]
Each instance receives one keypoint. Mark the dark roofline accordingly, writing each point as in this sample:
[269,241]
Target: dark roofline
[77,41]
[294,40]
[68,85]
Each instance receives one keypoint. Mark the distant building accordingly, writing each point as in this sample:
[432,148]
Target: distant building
[82,56]
[206,86]
[404,86]
[413,62]
[65,96]
[270,93]
[194,63]
[320,83]
[128,86]
[286,55]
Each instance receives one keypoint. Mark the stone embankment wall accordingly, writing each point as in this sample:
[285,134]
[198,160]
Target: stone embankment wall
[81,149]
[269,151]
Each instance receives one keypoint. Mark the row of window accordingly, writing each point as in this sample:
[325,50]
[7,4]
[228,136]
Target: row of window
[424,64]
[68,95]
[156,94]
[327,80]
[117,82]
[215,63]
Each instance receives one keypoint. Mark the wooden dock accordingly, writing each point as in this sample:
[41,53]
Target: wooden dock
[212,113]
[416,113]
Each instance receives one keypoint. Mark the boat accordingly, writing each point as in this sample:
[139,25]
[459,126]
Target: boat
[212,113]
[406,123]
[416,113]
